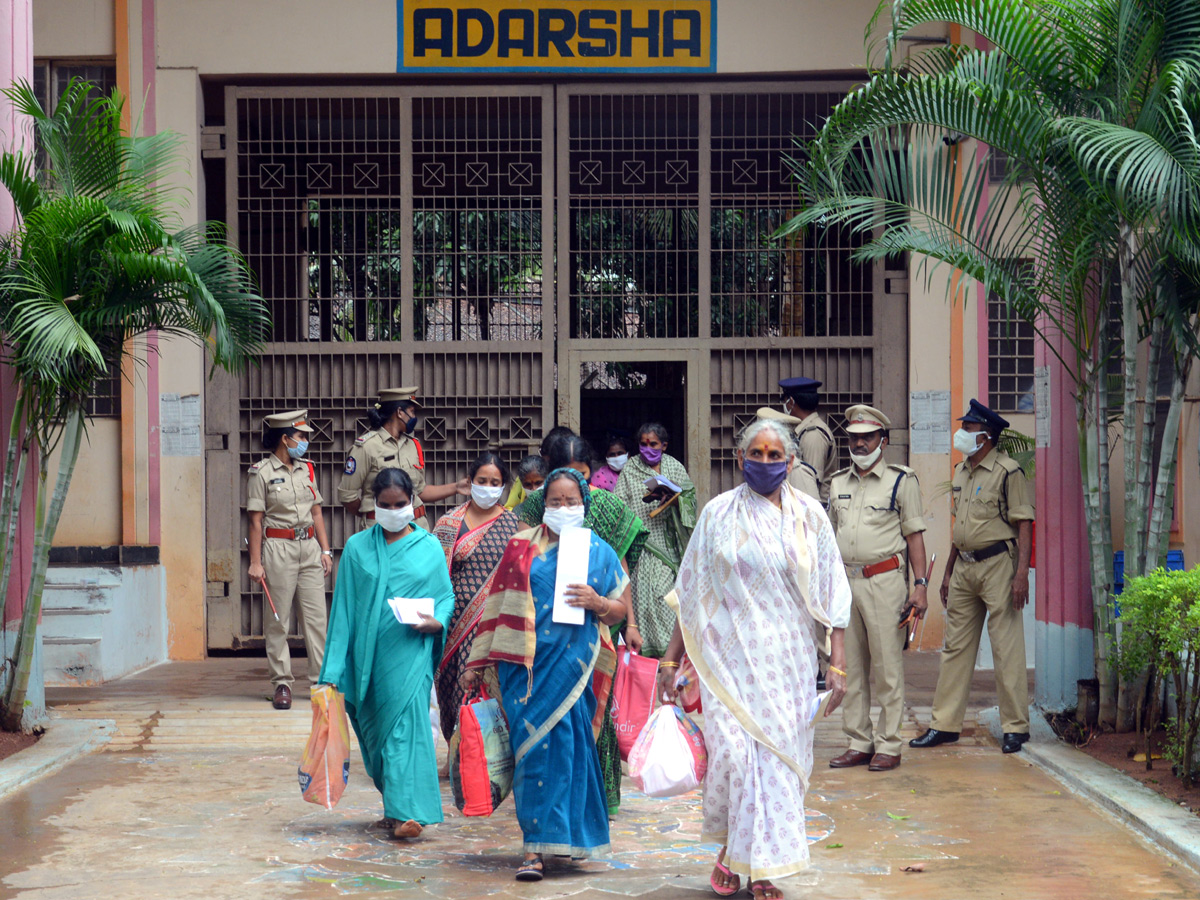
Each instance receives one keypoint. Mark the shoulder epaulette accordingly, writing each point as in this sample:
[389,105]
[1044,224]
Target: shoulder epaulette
[1009,464]
[366,437]
[844,471]
[256,466]
[899,468]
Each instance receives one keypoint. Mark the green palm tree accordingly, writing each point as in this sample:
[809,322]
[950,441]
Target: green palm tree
[1095,105]
[97,258]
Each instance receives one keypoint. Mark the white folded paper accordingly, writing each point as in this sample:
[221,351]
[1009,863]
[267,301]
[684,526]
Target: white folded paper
[574,547]
[820,703]
[408,609]
[657,481]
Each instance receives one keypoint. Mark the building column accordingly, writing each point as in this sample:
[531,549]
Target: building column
[1063,653]
[16,64]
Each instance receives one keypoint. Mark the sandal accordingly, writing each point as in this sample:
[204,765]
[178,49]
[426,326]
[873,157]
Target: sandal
[759,890]
[384,824]
[730,890]
[409,829]
[531,870]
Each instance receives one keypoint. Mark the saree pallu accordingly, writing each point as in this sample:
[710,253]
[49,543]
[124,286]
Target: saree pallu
[557,785]
[385,669]
[472,559]
[754,584]
[667,538]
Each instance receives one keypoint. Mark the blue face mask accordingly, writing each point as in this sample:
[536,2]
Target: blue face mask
[299,450]
[411,427]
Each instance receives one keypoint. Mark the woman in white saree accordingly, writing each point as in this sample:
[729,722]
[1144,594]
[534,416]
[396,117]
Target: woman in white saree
[760,586]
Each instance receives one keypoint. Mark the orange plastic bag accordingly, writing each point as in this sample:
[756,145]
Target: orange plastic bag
[325,767]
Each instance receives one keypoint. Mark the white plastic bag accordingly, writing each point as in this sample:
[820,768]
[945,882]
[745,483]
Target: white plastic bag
[669,757]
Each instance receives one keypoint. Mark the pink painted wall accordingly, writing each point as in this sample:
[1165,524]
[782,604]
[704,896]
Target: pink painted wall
[16,62]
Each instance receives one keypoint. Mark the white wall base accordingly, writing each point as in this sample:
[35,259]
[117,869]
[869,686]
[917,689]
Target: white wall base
[1065,655]
[35,702]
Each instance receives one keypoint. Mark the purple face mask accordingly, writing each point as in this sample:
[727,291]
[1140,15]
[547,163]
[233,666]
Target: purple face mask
[651,455]
[763,478]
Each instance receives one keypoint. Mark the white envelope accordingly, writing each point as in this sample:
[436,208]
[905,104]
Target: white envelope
[574,547]
[408,609]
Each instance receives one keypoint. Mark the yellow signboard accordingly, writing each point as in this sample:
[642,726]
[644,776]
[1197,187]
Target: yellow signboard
[557,35]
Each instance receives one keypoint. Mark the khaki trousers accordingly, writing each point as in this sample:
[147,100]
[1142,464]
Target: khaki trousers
[296,582]
[977,591]
[875,649]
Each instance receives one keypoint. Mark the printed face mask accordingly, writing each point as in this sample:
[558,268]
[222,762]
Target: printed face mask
[967,442]
[563,517]
[617,463]
[394,519]
[865,462]
[763,478]
[652,455]
[299,450]
[485,495]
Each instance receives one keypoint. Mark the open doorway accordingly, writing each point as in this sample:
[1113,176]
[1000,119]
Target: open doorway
[615,398]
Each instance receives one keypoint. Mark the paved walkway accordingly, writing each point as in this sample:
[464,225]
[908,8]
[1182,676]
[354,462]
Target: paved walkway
[197,797]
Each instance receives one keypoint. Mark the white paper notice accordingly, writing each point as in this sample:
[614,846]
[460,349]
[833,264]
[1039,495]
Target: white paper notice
[179,424]
[929,419]
[408,609]
[1042,407]
[574,547]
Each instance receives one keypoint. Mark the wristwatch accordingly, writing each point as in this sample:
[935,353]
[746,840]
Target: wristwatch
[920,582]
[327,553]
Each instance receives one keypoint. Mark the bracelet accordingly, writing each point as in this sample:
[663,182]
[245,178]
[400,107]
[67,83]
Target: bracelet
[837,670]
[667,664]
[631,625]
[607,607]
[327,553]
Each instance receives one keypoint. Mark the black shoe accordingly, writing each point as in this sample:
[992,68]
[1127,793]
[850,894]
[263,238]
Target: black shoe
[933,737]
[1013,741]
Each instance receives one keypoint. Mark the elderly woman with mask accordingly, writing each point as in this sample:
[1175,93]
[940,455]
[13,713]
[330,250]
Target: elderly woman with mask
[386,668]
[473,537]
[554,678]
[760,586]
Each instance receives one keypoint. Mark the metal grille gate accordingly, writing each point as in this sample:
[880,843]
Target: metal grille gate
[407,235]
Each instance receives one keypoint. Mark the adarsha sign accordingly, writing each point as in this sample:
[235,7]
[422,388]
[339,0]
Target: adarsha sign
[557,35]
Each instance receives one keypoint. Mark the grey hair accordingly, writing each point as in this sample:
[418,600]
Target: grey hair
[777,428]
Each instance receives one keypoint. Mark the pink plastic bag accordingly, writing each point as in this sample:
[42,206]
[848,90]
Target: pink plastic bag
[325,768]
[669,757]
[633,697]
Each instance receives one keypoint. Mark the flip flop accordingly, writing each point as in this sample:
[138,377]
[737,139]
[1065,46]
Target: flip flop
[531,870]
[759,889]
[724,870]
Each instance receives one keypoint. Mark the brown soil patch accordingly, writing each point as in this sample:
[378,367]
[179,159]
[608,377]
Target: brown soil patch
[1118,750]
[13,742]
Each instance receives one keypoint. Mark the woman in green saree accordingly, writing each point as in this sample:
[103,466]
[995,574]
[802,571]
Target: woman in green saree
[385,668]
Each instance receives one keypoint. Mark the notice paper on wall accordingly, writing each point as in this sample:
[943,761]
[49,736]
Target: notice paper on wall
[179,424]
[574,547]
[408,609]
[1042,406]
[929,418]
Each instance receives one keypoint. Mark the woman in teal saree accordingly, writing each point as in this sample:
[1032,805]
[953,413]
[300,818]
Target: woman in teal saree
[554,678]
[384,668]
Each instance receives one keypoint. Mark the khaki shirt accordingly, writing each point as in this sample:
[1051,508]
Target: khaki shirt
[284,493]
[988,501]
[817,449]
[371,454]
[869,526]
[804,479]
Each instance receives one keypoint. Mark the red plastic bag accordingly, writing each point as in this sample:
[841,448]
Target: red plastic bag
[688,683]
[670,757]
[325,767]
[633,697]
[481,757]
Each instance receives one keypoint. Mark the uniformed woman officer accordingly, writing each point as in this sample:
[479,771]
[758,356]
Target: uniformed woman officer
[288,545]
[390,445]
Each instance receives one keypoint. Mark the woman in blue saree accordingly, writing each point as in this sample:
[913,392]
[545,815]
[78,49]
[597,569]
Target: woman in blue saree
[554,678]
[384,668]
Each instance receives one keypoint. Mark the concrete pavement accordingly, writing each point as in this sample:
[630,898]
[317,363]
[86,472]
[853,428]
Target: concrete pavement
[197,797]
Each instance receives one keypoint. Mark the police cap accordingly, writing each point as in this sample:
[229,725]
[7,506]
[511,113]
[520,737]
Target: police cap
[865,419]
[405,394]
[296,419]
[985,417]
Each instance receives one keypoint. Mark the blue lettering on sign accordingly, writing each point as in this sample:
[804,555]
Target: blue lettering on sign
[590,32]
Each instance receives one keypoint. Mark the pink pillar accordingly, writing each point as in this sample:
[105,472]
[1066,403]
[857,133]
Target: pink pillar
[1063,633]
[16,63]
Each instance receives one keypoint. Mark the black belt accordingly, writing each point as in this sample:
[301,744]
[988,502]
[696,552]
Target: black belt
[973,556]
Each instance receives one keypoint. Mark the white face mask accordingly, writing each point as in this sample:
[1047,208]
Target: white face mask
[967,442]
[563,517]
[394,519]
[617,463]
[865,462]
[485,495]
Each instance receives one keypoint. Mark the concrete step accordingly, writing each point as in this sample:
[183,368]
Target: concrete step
[69,659]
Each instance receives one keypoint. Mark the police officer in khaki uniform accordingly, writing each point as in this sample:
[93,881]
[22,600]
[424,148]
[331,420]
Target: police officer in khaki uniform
[390,444]
[289,548]
[813,436]
[803,476]
[875,508]
[987,576]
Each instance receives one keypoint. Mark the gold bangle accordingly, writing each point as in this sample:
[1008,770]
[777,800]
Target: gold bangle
[607,607]
[836,669]
[667,664]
